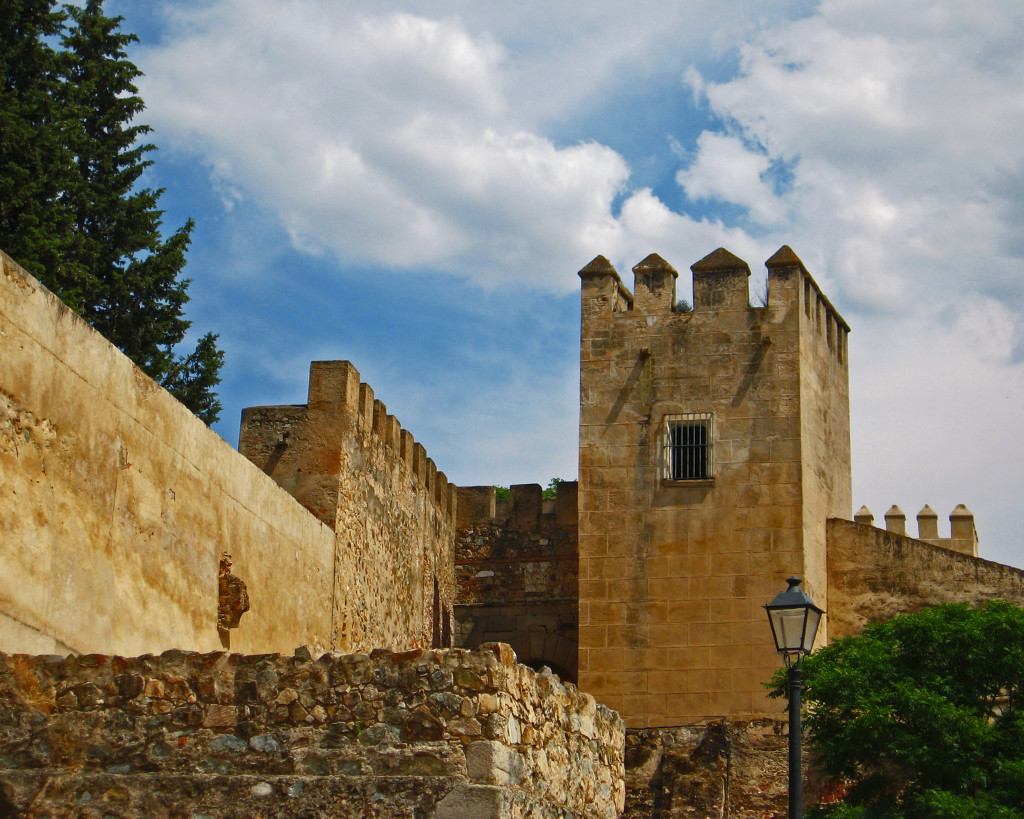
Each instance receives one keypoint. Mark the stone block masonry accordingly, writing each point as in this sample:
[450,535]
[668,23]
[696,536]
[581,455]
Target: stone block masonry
[714,442]
[517,565]
[350,463]
[119,509]
[442,733]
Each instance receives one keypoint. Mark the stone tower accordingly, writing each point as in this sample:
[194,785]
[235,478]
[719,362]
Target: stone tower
[714,444]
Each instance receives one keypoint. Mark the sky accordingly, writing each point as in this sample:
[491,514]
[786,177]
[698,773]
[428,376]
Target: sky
[413,186]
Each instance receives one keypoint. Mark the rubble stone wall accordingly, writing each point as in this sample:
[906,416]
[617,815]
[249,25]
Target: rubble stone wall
[734,769]
[445,733]
[517,566]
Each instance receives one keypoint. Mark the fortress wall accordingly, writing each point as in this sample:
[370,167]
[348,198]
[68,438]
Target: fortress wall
[875,574]
[116,504]
[517,566]
[343,457]
[449,734]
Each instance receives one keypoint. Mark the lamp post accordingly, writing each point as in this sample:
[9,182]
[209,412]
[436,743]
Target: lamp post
[794,620]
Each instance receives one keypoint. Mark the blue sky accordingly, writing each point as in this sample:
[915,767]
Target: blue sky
[412,186]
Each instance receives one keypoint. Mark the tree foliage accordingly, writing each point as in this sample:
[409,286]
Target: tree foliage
[72,210]
[921,715]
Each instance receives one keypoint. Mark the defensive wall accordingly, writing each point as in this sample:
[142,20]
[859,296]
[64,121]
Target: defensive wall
[875,574]
[121,512]
[350,463]
[517,566]
[448,733]
[131,528]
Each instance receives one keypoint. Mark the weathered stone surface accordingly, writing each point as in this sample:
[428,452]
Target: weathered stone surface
[104,468]
[517,567]
[205,734]
[393,513]
[733,769]
[875,574]
[673,573]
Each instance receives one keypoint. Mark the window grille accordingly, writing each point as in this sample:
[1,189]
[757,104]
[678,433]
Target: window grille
[687,447]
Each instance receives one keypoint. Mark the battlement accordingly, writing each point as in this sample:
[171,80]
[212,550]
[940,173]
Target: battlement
[720,288]
[963,535]
[525,509]
[335,389]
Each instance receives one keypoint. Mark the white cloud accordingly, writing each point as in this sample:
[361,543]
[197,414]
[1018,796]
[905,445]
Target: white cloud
[379,138]
[880,139]
[727,170]
[900,125]
[902,131]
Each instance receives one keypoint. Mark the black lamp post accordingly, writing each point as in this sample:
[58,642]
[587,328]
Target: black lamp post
[794,620]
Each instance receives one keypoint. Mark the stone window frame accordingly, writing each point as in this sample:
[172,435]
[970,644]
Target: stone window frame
[687,462]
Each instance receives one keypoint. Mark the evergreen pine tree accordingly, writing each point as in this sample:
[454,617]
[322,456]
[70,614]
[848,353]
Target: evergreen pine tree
[36,163]
[96,239]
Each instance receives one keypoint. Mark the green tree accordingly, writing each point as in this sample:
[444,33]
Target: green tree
[84,225]
[35,159]
[921,715]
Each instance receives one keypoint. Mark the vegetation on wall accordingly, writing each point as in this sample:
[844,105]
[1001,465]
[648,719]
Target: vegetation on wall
[920,717]
[72,211]
[504,492]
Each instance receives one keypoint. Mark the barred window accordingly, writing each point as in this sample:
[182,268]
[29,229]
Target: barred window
[687,447]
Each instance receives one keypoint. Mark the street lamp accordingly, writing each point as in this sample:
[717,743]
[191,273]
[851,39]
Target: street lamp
[794,620]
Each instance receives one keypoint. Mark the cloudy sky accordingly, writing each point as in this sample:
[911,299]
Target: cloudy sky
[413,185]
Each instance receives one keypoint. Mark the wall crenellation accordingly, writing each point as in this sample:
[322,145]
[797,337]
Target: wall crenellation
[525,508]
[818,311]
[336,386]
[963,536]
[720,283]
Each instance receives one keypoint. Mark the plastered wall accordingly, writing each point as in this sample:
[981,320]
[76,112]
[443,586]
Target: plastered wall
[117,504]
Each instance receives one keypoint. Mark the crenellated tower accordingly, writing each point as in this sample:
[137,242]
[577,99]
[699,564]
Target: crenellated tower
[714,444]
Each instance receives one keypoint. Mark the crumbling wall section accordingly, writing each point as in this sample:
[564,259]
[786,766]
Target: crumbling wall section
[733,769]
[448,733]
[517,566]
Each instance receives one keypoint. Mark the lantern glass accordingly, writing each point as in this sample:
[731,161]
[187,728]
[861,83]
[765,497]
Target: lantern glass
[794,620]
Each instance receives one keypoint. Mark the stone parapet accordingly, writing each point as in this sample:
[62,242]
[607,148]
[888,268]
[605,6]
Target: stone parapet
[963,536]
[443,733]
[875,574]
[279,439]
